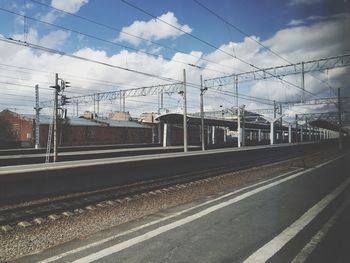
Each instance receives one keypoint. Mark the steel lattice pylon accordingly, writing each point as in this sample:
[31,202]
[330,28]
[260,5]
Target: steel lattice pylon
[119,94]
[281,71]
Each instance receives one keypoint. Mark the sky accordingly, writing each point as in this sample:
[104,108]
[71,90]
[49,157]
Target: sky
[211,39]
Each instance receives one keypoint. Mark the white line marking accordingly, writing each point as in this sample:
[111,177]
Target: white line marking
[51,259]
[160,230]
[318,237]
[272,247]
[77,250]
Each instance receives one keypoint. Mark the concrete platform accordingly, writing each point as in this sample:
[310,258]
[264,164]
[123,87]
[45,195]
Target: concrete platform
[40,180]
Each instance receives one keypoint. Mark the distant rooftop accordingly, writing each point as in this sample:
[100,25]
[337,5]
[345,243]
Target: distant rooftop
[77,121]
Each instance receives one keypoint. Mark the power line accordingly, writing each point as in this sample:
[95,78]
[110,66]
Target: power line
[45,49]
[132,35]
[253,39]
[211,45]
[105,41]
[70,76]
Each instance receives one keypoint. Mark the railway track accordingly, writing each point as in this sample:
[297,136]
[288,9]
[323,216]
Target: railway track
[12,216]
[28,211]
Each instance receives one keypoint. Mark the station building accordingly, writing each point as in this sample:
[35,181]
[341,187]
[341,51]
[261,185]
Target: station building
[78,130]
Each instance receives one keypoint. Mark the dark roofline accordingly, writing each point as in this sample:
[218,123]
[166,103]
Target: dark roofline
[176,118]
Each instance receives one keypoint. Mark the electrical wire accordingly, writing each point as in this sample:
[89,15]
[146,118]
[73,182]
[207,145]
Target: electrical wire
[253,39]
[129,34]
[213,46]
[45,49]
[106,41]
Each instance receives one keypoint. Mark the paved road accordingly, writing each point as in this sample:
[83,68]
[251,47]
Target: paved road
[299,216]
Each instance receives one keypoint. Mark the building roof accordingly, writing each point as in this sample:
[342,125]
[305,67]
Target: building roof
[176,118]
[77,121]
[129,124]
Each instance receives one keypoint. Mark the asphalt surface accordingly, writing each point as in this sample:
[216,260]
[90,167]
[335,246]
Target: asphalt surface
[235,226]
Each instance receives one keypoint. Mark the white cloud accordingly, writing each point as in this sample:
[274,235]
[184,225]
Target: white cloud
[71,6]
[304,2]
[296,22]
[153,29]
[49,17]
[322,39]
[308,42]
[54,39]
[314,19]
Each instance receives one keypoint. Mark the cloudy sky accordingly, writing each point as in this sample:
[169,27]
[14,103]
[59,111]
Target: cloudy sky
[161,38]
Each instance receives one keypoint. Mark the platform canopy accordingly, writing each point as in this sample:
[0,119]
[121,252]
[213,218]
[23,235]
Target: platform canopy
[176,118]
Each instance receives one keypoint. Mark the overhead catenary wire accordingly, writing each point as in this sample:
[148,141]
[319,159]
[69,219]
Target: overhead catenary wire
[213,46]
[50,50]
[253,39]
[108,41]
[131,35]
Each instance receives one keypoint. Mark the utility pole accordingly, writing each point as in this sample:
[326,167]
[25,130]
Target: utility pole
[272,128]
[243,125]
[98,105]
[120,101]
[58,89]
[184,112]
[296,128]
[236,90]
[239,132]
[37,118]
[302,82]
[55,119]
[160,106]
[340,123]
[282,132]
[77,108]
[202,113]
[123,101]
[94,114]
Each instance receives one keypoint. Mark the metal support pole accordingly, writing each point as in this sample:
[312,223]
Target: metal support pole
[77,108]
[296,128]
[243,126]
[289,133]
[55,137]
[302,82]
[37,118]
[236,90]
[202,113]
[239,132]
[282,132]
[123,101]
[165,135]
[94,106]
[120,100]
[213,139]
[98,105]
[273,123]
[272,132]
[184,112]
[301,134]
[340,123]
[208,135]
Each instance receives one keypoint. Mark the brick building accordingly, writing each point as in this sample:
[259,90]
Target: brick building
[78,131]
